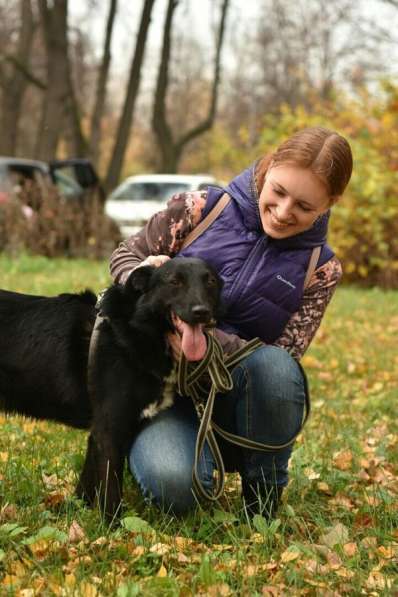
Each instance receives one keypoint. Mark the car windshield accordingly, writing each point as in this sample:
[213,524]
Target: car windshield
[149,191]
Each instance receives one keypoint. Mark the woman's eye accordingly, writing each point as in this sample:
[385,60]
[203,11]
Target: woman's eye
[211,281]
[279,192]
[305,208]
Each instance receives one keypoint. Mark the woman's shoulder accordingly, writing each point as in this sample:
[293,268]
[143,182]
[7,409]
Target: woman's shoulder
[187,207]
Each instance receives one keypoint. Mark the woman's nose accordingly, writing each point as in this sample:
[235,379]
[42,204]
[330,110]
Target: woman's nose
[284,211]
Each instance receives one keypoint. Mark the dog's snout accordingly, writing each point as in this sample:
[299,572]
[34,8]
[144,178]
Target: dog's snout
[201,312]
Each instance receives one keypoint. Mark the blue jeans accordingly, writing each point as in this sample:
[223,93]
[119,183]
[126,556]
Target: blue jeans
[266,405]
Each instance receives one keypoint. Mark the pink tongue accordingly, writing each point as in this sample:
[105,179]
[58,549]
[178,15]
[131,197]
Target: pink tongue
[193,341]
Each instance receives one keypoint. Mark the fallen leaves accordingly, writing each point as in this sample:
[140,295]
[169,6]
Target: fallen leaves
[336,535]
[343,460]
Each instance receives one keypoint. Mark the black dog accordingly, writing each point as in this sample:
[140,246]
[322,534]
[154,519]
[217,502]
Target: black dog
[44,348]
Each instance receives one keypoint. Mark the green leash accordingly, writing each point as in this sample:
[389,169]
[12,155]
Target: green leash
[218,368]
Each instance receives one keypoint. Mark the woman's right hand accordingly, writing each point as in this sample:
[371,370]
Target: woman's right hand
[155,260]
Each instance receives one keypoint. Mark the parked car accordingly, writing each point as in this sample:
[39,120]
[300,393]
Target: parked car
[137,198]
[71,177]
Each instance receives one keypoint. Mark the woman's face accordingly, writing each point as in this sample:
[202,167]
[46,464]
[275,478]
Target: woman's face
[291,200]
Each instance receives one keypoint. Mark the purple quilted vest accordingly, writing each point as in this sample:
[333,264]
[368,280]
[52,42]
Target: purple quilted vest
[263,277]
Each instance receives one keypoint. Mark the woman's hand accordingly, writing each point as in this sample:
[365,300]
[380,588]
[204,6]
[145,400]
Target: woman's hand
[155,260]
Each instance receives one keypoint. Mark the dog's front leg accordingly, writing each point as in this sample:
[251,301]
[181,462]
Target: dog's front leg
[102,474]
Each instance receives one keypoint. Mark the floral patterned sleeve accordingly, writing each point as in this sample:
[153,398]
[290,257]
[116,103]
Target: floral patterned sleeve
[302,326]
[163,234]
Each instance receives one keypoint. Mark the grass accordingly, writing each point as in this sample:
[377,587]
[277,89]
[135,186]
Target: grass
[336,533]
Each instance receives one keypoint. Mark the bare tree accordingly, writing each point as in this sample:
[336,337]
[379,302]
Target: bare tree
[14,79]
[171,149]
[100,96]
[126,118]
[59,101]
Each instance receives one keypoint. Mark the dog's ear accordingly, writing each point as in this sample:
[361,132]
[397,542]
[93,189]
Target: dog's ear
[113,303]
[138,280]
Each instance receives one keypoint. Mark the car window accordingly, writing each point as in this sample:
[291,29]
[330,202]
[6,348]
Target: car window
[149,191]
[67,185]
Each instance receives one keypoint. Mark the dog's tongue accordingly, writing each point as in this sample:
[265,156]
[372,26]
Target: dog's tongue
[193,340]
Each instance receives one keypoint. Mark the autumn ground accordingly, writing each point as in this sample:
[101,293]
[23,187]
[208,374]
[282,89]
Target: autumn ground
[336,534]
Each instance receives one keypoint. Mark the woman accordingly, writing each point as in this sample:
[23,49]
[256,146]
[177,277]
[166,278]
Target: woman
[261,245]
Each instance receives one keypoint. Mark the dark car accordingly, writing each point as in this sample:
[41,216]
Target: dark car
[72,177]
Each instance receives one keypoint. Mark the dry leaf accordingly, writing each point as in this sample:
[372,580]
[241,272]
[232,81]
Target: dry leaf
[378,581]
[160,549]
[54,498]
[8,512]
[335,536]
[87,590]
[218,590]
[324,487]
[269,591]
[10,580]
[50,481]
[76,533]
[386,552]
[350,549]
[343,460]
[334,561]
[311,474]
[289,555]
[369,542]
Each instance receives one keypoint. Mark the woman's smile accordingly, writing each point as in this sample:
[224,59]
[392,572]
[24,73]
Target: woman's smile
[291,200]
[277,224]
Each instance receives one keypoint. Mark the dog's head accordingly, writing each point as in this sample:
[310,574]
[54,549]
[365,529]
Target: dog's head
[184,293]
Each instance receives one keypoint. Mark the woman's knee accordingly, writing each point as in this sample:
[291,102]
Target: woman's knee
[275,392]
[161,460]
[168,487]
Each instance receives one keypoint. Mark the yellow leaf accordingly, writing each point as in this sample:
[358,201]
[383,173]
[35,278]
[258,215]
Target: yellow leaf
[87,590]
[10,580]
[386,552]
[3,456]
[162,572]
[289,555]
[310,362]
[70,580]
[324,487]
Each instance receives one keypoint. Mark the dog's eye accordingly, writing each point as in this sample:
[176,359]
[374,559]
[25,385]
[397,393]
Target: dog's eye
[175,281]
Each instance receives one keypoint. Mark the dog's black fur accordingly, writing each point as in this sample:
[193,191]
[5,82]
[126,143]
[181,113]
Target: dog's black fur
[44,353]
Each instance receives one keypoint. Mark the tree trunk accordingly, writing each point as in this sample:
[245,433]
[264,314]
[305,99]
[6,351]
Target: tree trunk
[15,83]
[126,118]
[95,129]
[60,102]
[171,149]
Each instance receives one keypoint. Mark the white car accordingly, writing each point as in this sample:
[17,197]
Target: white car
[137,198]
